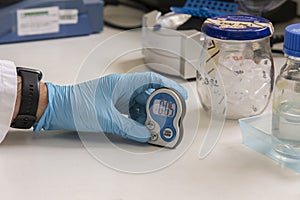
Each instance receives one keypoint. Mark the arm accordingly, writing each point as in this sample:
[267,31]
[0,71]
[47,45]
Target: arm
[43,99]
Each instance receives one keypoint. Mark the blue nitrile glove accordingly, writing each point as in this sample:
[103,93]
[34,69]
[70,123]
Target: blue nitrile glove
[101,105]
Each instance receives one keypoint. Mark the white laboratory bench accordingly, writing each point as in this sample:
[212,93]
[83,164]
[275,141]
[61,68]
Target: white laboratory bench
[56,165]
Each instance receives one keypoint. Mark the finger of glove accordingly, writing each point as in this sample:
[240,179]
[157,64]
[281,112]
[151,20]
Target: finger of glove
[138,113]
[132,88]
[129,128]
[156,81]
[137,107]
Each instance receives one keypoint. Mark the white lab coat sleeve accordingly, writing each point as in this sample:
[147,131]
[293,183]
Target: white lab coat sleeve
[8,95]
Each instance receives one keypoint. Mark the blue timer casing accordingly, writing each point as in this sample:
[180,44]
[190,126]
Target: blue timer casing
[165,110]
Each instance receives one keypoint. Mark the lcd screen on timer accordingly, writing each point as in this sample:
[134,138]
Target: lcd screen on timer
[163,108]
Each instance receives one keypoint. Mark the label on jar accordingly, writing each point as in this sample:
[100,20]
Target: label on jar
[224,23]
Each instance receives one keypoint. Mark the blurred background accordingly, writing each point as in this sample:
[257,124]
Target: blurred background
[126,13]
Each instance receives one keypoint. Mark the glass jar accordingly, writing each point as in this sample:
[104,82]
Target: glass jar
[238,48]
[286,101]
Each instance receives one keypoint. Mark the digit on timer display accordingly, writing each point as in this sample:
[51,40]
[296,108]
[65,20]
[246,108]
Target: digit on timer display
[163,108]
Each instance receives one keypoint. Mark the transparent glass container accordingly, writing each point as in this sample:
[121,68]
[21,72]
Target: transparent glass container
[242,57]
[286,109]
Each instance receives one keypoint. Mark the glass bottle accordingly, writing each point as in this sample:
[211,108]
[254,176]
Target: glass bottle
[286,101]
[238,48]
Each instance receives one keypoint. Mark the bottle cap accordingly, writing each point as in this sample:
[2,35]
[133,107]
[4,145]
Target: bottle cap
[238,27]
[291,45]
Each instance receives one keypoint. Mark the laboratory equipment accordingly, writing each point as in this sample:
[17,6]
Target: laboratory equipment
[165,110]
[259,7]
[167,50]
[257,135]
[204,8]
[237,47]
[35,20]
[286,101]
[128,14]
[274,10]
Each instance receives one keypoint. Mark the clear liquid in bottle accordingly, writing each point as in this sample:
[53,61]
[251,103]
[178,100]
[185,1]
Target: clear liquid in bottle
[286,129]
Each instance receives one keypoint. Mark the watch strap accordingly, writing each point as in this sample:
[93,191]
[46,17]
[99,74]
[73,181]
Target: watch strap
[29,100]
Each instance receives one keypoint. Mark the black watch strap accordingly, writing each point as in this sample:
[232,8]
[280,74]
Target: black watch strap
[29,98]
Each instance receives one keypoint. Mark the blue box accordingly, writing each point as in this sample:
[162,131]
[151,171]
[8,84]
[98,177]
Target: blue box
[44,19]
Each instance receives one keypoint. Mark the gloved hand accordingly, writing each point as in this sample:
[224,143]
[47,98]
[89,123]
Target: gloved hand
[101,105]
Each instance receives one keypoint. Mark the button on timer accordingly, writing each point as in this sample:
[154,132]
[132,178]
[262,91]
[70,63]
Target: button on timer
[168,133]
[150,125]
[154,136]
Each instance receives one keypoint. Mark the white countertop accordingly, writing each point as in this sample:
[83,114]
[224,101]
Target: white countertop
[56,165]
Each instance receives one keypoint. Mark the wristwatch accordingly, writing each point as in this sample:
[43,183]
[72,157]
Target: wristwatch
[29,98]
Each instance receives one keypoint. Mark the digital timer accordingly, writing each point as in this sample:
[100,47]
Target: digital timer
[165,110]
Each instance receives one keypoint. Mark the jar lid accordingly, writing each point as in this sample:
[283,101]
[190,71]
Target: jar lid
[237,27]
[292,40]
